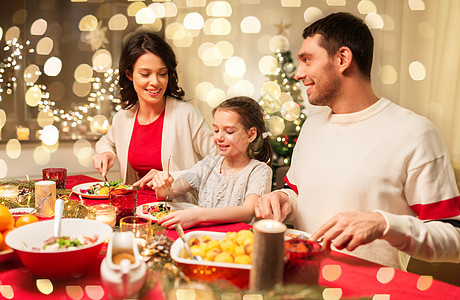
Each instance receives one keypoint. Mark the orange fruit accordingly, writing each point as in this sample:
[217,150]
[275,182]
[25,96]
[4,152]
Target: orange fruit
[5,218]
[26,219]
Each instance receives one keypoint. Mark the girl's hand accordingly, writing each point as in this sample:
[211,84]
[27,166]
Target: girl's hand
[103,162]
[187,218]
[146,179]
[161,180]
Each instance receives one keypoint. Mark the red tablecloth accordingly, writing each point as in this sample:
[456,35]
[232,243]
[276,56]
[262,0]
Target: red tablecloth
[354,277]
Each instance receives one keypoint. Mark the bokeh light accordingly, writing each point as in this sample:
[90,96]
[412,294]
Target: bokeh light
[279,43]
[331,272]
[12,33]
[145,16]
[53,66]
[193,21]
[102,60]
[44,46]
[170,9]
[45,117]
[268,65]
[276,125]
[13,148]
[312,14]
[38,27]
[250,24]
[290,3]
[416,4]
[6,290]
[336,2]
[45,286]
[388,74]
[83,73]
[219,9]
[88,23]
[159,9]
[202,90]
[218,26]
[215,97]
[33,96]
[134,7]
[118,22]
[81,89]
[290,111]
[32,73]
[50,135]
[424,282]
[74,291]
[385,274]
[99,124]
[417,71]
[3,168]
[366,7]
[235,67]
[94,291]
[332,293]
[42,156]
[2,118]
[374,21]
[270,90]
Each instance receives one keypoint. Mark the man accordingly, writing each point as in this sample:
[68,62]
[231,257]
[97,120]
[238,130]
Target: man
[368,163]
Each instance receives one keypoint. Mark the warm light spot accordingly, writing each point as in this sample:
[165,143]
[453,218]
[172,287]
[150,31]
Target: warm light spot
[203,48]
[102,60]
[193,21]
[1,33]
[79,145]
[38,27]
[336,2]
[202,90]
[285,97]
[85,157]
[88,23]
[50,135]
[6,291]
[173,29]
[133,8]
[44,46]
[32,73]
[381,297]
[417,71]
[217,27]
[159,9]
[53,66]
[332,293]
[219,9]
[212,57]
[13,148]
[268,65]
[145,16]
[196,3]
[385,274]
[241,88]
[388,22]
[12,33]
[2,118]
[279,43]
[94,292]
[416,4]
[45,117]
[81,89]
[424,282]
[226,48]
[312,14]
[331,272]
[235,67]
[118,22]
[276,125]
[3,168]
[290,3]
[183,39]
[215,97]
[425,30]
[45,286]
[99,124]
[270,90]
[366,7]
[83,73]
[171,9]
[388,74]
[74,292]
[290,111]
[228,80]
[374,21]
[33,96]
[253,297]
[250,24]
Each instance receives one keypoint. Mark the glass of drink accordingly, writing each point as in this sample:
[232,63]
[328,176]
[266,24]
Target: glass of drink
[125,201]
[59,175]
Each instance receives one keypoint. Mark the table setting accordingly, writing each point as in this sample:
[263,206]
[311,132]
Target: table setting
[131,256]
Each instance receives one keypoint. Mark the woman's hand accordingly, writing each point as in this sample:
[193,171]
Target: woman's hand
[146,179]
[162,184]
[187,218]
[103,162]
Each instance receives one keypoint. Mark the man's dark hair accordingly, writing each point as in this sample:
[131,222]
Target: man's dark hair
[344,29]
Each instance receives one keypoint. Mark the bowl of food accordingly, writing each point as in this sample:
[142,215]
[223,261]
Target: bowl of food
[226,256]
[68,256]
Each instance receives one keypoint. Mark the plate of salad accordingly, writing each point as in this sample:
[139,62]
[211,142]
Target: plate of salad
[156,210]
[98,190]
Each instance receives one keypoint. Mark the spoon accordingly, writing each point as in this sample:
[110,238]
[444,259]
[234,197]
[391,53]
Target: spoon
[58,210]
[41,202]
[180,231]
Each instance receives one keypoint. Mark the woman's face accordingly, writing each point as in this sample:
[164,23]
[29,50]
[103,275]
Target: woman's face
[150,78]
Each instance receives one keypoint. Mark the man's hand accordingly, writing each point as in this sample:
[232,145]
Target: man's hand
[351,229]
[146,179]
[274,205]
[103,162]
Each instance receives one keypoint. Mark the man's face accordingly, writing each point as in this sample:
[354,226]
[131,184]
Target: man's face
[317,72]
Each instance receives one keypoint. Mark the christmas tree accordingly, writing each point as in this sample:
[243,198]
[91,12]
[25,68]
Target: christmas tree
[282,102]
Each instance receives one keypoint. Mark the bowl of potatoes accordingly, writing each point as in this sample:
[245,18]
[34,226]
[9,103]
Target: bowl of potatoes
[226,256]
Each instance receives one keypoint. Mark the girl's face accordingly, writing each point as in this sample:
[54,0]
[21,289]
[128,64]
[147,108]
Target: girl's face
[150,78]
[230,136]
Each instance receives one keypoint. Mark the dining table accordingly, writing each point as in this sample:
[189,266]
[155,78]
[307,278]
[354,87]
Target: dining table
[341,275]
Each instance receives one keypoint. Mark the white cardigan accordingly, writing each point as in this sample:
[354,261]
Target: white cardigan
[186,137]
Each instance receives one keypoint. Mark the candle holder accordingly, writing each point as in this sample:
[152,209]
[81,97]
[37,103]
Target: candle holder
[9,191]
[142,230]
[302,261]
[22,132]
[59,175]
[43,203]
[103,213]
[124,201]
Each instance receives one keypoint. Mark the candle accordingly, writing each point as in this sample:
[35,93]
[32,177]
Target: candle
[45,208]
[9,191]
[103,213]
[22,133]
[56,174]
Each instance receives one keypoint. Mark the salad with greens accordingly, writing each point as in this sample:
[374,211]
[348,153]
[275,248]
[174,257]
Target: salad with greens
[105,188]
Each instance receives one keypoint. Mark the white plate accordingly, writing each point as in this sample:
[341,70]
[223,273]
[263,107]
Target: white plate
[21,211]
[84,186]
[293,233]
[172,205]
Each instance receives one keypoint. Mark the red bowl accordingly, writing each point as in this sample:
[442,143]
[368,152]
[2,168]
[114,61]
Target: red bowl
[61,264]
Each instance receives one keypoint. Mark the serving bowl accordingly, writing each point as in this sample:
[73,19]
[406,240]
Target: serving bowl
[60,264]
[238,274]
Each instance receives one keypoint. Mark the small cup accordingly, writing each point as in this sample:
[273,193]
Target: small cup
[56,174]
[124,201]
[302,261]
[9,191]
[142,230]
[103,213]
[45,208]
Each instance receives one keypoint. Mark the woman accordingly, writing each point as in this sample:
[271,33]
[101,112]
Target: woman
[154,124]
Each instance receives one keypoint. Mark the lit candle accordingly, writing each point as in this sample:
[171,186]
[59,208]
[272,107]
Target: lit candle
[9,191]
[103,213]
[22,133]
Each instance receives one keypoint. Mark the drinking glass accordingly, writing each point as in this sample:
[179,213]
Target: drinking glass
[103,213]
[302,261]
[142,229]
[124,201]
[56,174]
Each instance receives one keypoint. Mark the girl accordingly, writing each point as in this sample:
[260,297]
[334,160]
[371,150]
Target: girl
[229,184]
[154,123]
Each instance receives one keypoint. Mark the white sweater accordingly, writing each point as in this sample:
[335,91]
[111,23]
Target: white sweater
[383,158]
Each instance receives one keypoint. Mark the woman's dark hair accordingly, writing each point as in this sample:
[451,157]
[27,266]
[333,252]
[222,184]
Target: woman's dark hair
[344,29]
[137,45]
[251,115]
